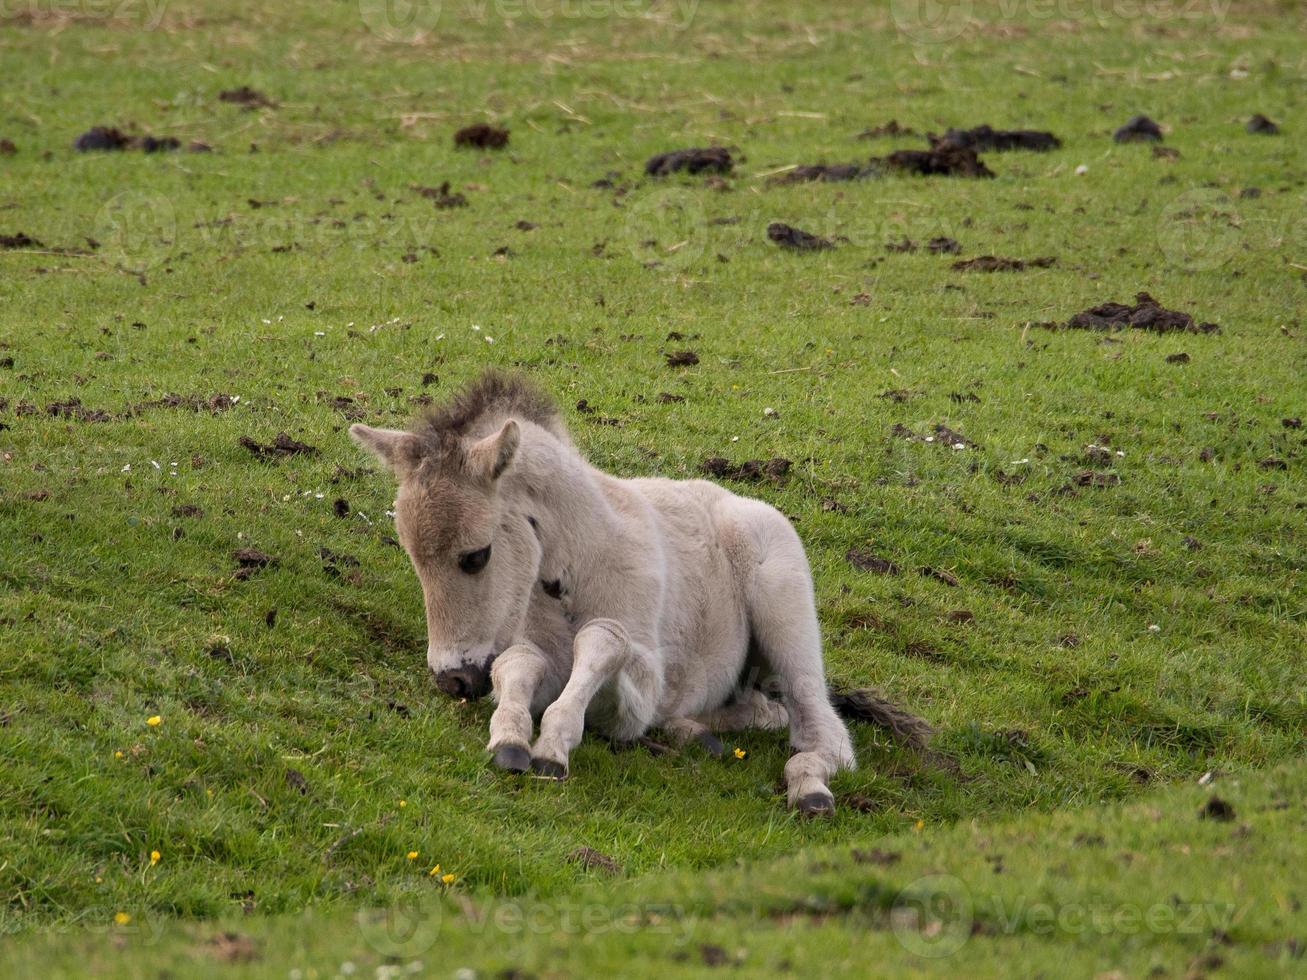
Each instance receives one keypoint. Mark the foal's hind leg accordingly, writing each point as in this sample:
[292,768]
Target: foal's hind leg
[783,617]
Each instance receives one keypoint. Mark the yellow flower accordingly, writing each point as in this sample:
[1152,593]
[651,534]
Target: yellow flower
[412,855]
[118,754]
[154,721]
[918,825]
[740,753]
[434,871]
[154,858]
[448,879]
[122,918]
[403,803]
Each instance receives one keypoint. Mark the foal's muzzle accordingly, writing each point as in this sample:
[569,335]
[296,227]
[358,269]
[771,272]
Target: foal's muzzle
[467,682]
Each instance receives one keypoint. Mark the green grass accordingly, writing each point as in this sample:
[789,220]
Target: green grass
[295,265]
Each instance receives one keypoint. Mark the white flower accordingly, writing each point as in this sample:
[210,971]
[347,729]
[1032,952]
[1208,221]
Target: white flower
[127,467]
[1154,628]
[319,333]
[1081,170]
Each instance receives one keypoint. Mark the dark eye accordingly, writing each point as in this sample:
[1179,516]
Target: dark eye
[474,561]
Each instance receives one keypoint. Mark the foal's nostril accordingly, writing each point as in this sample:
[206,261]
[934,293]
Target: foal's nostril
[467,682]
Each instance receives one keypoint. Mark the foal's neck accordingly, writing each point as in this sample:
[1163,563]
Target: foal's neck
[553,484]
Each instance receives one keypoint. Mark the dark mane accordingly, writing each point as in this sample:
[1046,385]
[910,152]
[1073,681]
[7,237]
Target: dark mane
[494,395]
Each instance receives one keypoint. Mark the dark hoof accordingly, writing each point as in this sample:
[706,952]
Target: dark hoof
[511,758]
[817,805]
[711,744]
[549,769]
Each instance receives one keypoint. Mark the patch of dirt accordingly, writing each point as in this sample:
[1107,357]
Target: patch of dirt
[696,160]
[1293,423]
[102,138]
[1088,478]
[947,159]
[1146,314]
[112,138]
[250,560]
[667,398]
[232,947]
[297,781]
[750,471]
[188,510]
[1178,358]
[939,575]
[282,445]
[865,561]
[7,148]
[997,263]
[247,97]
[482,136]
[74,409]
[943,245]
[1262,126]
[1217,809]
[891,128]
[334,561]
[442,196]
[215,403]
[682,358]
[822,171]
[19,240]
[985,137]
[882,859]
[590,859]
[340,507]
[1139,129]
[796,239]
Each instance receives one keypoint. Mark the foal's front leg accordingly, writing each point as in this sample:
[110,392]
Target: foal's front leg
[600,650]
[515,676]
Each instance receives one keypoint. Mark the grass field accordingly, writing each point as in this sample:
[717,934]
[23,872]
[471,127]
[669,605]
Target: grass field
[1102,628]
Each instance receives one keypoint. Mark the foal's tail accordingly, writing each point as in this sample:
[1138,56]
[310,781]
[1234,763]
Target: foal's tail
[868,705]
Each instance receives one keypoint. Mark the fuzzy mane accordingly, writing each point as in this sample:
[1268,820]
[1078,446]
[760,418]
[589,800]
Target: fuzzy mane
[493,396]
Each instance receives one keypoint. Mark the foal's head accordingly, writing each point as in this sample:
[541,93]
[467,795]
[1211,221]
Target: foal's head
[476,560]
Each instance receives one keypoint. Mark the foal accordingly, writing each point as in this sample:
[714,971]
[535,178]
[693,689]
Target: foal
[584,599]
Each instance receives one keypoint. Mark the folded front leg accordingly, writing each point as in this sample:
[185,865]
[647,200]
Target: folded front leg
[601,649]
[515,676]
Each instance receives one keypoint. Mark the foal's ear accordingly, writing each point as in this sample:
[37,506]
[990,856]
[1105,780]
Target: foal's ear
[398,450]
[492,454]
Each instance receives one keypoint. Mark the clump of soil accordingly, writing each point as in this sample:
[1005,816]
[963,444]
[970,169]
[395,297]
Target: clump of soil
[590,859]
[1216,809]
[19,240]
[110,138]
[864,561]
[159,144]
[482,136]
[247,97]
[1140,129]
[1088,478]
[1260,125]
[822,171]
[795,238]
[891,128]
[442,196]
[948,159]
[102,138]
[944,246]
[996,263]
[215,403]
[682,358]
[750,471]
[1146,314]
[944,436]
[282,445]
[74,409]
[250,560]
[7,148]
[696,160]
[987,138]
